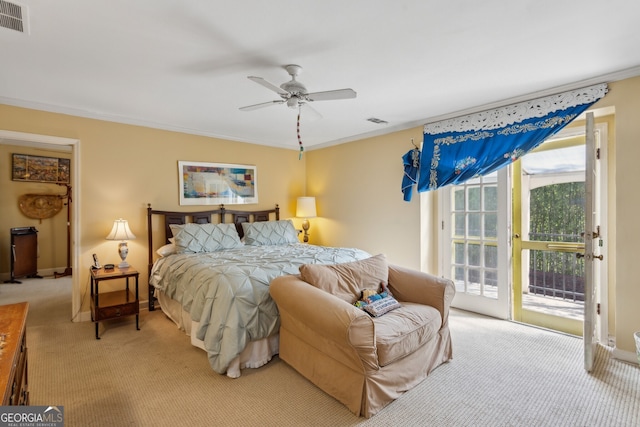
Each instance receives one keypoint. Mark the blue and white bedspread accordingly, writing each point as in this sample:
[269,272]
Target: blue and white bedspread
[227,291]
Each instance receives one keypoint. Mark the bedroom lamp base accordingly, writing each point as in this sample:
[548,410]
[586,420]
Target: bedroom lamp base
[123,251]
[305,227]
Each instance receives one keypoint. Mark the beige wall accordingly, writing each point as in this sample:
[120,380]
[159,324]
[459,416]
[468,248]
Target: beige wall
[52,232]
[124,167]
[359,200]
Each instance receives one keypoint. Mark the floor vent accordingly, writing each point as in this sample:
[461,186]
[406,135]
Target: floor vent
[13,16]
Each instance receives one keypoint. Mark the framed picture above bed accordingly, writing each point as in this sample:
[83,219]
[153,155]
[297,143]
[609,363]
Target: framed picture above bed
[217,183]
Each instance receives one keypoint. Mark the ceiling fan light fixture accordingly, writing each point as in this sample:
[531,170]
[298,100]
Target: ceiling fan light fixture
[294,86]
[294,93]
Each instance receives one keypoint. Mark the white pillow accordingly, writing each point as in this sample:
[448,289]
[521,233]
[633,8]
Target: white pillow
[167,249]
[269,233]
[195,238]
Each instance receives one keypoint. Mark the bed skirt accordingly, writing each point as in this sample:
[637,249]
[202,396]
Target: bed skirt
[255,354]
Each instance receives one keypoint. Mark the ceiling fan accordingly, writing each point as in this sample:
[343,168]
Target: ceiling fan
[294,93]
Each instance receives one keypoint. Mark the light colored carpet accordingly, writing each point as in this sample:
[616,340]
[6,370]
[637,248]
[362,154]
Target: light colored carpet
[502,374]
[49,298]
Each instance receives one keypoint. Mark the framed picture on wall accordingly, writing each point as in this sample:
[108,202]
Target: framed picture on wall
[40,169]
[217,183]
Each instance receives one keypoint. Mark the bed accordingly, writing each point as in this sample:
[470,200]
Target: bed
[210,273]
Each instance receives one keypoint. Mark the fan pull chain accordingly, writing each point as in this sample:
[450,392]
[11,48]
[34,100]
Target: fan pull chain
[299,139]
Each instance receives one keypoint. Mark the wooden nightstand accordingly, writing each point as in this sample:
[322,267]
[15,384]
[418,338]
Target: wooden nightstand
[111,305]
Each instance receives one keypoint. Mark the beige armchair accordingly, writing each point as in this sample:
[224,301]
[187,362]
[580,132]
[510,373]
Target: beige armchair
[364,362]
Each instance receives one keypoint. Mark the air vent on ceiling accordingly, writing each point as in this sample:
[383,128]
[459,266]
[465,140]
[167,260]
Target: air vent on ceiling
[13,16]
[377,121]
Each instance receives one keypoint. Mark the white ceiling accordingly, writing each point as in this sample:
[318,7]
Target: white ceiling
[183,65]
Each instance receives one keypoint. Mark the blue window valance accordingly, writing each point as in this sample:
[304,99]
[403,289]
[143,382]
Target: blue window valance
[461,148]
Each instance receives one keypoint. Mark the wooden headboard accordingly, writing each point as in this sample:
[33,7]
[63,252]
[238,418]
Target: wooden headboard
[221,215]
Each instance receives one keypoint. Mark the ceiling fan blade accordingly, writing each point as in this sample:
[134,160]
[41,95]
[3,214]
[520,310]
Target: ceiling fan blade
[268,85]
[331,94]
[308,112]
[261,105]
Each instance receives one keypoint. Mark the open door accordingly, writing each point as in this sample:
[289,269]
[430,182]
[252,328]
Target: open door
[592,239]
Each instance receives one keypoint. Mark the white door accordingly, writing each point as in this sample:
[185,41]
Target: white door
[592,239]
[475,250]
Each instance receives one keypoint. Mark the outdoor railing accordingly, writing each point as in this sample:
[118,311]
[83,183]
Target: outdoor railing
[556,274]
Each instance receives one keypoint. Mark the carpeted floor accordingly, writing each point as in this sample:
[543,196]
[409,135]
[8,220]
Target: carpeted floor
[502,374]
[49,298]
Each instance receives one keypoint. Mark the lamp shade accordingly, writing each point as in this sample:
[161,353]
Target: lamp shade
[121,231]
[306,207]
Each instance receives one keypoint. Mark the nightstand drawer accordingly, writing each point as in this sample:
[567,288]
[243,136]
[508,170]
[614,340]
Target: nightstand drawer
[111,312]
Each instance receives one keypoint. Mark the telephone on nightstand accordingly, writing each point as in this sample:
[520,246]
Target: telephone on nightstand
[96,263]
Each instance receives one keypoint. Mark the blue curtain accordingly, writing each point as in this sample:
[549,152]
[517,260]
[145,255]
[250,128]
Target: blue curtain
[459,149]
[411,163]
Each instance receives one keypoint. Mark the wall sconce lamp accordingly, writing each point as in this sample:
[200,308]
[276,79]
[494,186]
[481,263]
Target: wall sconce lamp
[306,208]
[122,232]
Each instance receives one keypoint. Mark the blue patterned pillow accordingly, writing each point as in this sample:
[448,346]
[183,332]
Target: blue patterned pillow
[377,302]
[381,306]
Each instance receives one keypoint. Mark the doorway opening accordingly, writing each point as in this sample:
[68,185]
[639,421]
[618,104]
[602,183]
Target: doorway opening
[37,140]
[549,213]
[539,263]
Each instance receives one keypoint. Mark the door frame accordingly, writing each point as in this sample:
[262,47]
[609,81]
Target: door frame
[603,124]
[22,138]
[552,322]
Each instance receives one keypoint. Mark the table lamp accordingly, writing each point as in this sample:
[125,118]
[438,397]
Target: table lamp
[306,208]
[122,232]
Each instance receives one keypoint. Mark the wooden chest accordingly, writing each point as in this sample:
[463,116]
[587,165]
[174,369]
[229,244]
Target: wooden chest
[13,354]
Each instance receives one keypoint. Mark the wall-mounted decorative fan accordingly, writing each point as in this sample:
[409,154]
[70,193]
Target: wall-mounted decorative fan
[294,93]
